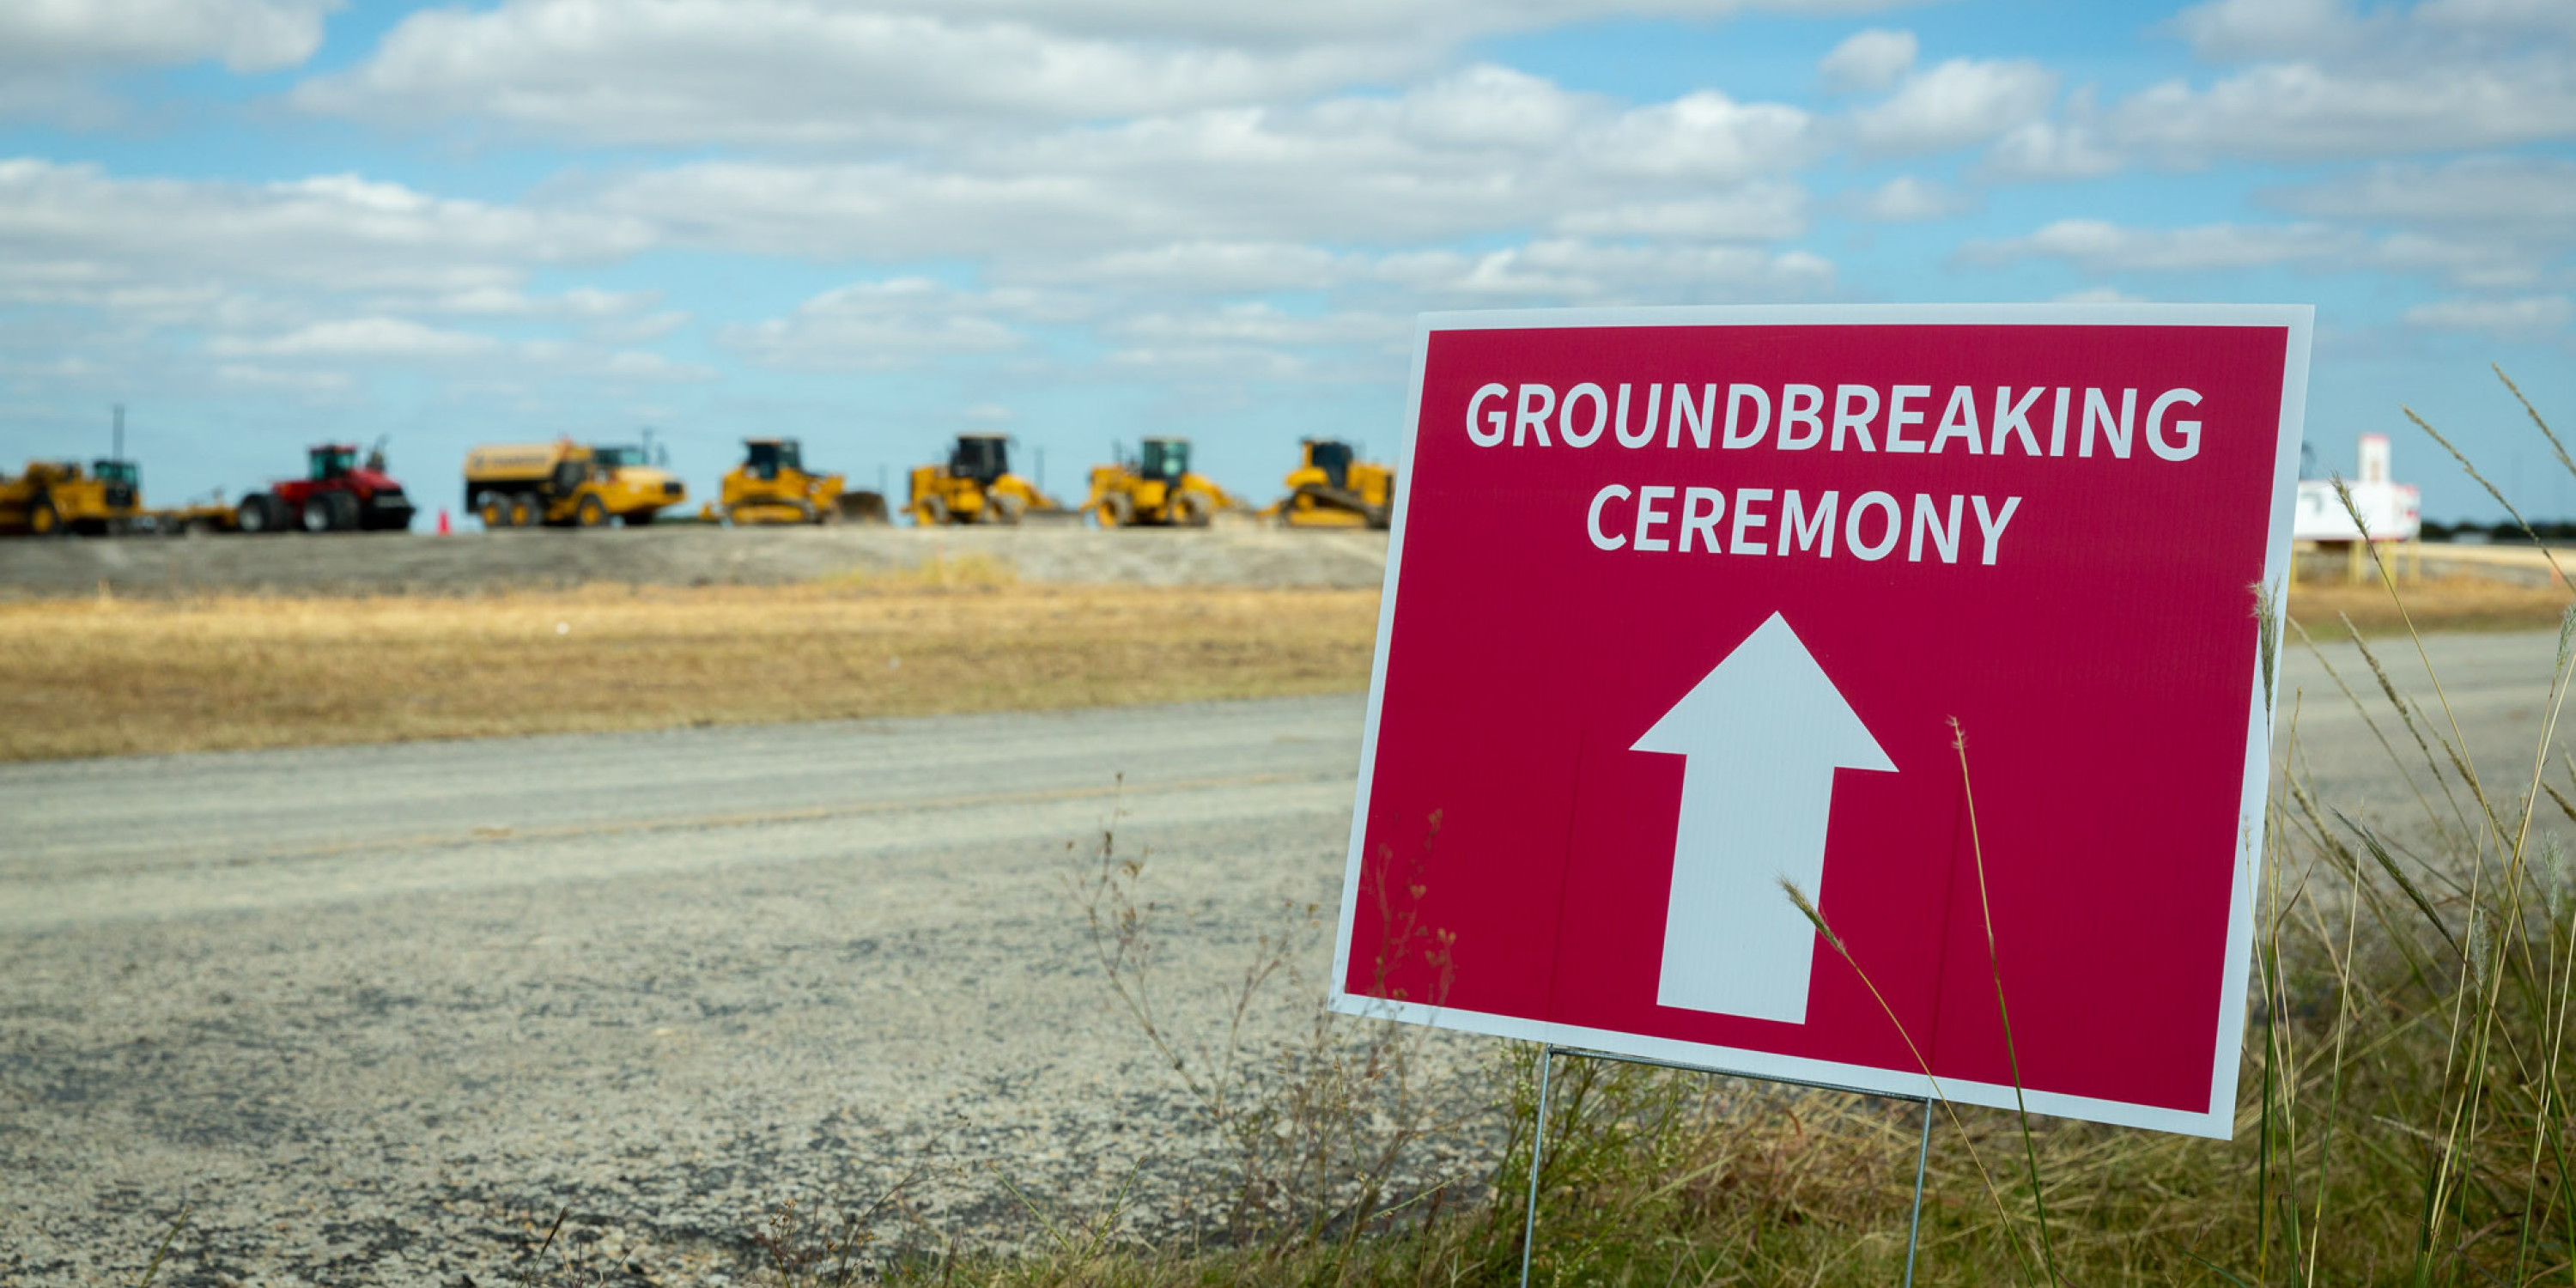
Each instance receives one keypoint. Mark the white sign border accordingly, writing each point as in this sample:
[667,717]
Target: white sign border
[2219,1120]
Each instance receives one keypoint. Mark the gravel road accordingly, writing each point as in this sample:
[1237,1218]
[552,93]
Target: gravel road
[1236,552]
[377,1014]
[374,1012]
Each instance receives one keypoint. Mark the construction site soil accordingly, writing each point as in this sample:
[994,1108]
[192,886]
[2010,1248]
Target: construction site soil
[1236,554]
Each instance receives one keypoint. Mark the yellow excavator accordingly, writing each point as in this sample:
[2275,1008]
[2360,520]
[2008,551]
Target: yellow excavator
[773,486]
[1156,488]
[1330,489]
[976,486]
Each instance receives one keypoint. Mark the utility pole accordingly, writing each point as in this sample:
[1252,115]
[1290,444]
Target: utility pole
[117,451]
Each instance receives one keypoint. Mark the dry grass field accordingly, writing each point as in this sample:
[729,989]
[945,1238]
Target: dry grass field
[102,676]
[96,677]
[2465,603]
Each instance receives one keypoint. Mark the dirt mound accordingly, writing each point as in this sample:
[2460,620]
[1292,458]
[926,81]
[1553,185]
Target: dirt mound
[382,563]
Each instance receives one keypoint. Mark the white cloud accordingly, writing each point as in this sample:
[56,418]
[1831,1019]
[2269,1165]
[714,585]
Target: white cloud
[2098,246]
[801,71]
[1483,151]
[1573,271]
[335,231]
[2238,29]
[1870,59]
[1762,211]
[2305,111]
[877,326]
[1957,103]
[2498,319]
[56,36]
[2051,150]
[2530,196]
[377,337]
[1907,199]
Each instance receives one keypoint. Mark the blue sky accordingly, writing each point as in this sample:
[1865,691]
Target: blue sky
[874,224]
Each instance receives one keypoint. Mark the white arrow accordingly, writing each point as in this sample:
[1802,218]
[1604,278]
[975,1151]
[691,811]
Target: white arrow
[1763,732]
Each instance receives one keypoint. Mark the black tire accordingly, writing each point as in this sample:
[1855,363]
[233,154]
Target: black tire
[1116,510]
[44,520]
[493,509]
[1004,507]
[526,511]
[1192,509]
[932,512]
[591,513]
[258,515]
[344,511]
[641,519]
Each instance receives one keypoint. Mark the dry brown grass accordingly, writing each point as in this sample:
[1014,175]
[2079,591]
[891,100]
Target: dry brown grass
[2466,603]
[99,677]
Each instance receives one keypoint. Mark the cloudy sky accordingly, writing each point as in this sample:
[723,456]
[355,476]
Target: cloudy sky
[875,223]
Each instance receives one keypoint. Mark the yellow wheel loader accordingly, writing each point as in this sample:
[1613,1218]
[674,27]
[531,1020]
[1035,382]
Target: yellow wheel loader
[1332,490]
[772,485]
[564,484]
[1156,488]
[53,498]
[975,486]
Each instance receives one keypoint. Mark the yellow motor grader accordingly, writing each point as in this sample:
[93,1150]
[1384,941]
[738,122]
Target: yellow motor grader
[773,486]
[1156,488]
[976,486]
[1330,489]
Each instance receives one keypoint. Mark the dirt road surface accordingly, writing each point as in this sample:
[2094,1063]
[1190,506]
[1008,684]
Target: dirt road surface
[377,1014]
[1237,553]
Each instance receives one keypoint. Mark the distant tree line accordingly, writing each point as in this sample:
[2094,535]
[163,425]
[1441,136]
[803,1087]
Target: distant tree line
[2501,534]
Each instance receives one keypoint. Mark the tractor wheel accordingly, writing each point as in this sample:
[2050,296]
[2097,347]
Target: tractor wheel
[525,510]
[493,509]
[932,512]
[316,515]
[1004,507]
[1116,510]
[343,508]
[43,519]
[258,515]
[591,513]
[1192,508]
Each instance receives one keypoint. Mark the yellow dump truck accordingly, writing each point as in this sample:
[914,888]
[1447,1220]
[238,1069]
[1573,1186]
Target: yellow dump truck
[1330,489]
[52,498]
[772,485]
[1155,488]
[976,486]
[566,484]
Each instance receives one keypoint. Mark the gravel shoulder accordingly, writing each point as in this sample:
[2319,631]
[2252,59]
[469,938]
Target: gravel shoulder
[1233,553]
[376,1015]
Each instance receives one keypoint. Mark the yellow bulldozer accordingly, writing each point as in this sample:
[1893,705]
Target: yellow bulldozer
[976,486]
[1330,489]
[56,497]
[772,485]
[564,484]
[1156,488]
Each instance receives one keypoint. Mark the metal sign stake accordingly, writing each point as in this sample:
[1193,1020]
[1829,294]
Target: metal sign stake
[1538,1145]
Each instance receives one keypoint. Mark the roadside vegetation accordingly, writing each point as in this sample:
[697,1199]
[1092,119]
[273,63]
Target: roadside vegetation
[103,676]
[2403,1115]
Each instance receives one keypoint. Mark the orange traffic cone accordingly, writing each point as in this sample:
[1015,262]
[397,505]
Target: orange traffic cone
[442,521]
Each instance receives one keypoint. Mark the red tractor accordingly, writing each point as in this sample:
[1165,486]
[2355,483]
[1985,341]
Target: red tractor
[337,494]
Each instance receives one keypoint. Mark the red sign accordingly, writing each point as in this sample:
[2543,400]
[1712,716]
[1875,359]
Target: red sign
[1683,603]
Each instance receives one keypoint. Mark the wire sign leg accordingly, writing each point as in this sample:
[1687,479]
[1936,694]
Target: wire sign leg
[1538,1143]
[1913,1228]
